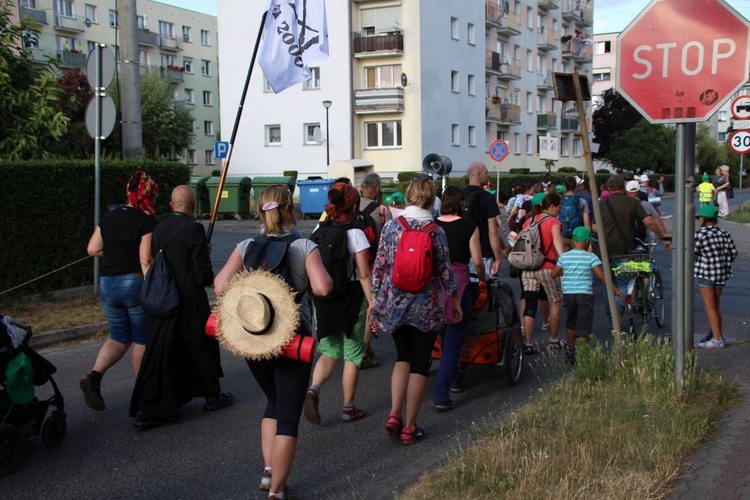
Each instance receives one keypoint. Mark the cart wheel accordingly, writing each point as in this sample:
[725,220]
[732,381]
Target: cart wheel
[513,354]
[54,429]
[9,447]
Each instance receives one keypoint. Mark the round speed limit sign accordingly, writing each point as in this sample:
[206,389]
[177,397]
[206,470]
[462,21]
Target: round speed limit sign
[739,141]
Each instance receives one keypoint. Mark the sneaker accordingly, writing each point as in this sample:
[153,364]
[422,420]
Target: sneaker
[265,481]
[711,344]
[92,394]
[458,383]
[445,406]
[217,403]
[545,325]
[368,361]
[312,401]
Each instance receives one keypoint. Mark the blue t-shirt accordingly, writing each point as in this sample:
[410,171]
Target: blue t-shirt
[578,274]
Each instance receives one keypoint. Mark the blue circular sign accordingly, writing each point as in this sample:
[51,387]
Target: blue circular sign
[499,150]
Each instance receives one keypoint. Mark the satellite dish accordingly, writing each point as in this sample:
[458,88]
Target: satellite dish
[404,80]
[87,22]
[318,135]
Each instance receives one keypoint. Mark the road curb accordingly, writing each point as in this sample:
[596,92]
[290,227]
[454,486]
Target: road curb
[46,339]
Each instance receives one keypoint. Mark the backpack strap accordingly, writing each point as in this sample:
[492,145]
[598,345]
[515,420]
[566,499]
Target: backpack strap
[369,209]
[546,251]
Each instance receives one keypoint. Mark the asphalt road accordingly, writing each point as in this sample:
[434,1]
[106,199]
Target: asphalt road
[217,455]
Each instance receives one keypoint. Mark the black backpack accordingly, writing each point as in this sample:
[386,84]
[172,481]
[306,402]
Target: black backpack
[161,295]
[367,224]
[269,253]
[334,252]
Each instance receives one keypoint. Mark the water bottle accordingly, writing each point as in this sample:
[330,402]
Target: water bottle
[512,236]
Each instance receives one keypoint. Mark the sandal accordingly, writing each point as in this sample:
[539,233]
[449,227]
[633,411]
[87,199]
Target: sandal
[312,414]
[530,349]
[557,344]
[408,435]
[352,415]
[265,481]
[394,425]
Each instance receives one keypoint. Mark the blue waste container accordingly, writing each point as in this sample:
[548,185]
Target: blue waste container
[313,196]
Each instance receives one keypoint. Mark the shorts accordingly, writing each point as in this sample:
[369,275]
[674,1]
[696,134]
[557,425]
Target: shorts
[536,279]
[120,297]
[707,283]
[353,347]
[580,310]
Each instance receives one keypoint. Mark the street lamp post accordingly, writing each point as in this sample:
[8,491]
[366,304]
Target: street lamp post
[327,104]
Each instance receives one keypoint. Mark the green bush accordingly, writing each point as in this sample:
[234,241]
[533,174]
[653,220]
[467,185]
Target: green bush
[567,170]
[407,176]
[49,217]
[603,171]
[519,170]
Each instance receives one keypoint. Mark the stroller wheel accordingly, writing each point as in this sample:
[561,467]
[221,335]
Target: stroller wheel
[54,429]
[10,445]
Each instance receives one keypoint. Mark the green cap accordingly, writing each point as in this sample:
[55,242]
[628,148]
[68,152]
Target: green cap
[537,199]
[19,379]
[397,197]
[708,211]
[705,178]
[582,233]
[560,188]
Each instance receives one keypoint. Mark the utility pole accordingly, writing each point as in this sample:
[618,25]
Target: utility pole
[130,81]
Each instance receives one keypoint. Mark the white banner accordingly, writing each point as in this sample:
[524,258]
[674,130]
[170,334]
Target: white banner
[296,34]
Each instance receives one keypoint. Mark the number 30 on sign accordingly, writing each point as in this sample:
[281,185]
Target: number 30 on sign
[739,141]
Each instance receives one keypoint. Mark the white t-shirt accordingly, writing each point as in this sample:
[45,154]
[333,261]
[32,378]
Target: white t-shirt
[356,241]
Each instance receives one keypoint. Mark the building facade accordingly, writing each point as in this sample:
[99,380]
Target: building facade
[410,78]
[179,44]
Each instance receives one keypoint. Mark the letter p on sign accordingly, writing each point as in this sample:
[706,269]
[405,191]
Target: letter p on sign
[220,149]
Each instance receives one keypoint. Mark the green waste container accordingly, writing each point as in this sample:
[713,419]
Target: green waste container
[202,202]
[260,184]
[385,195]
[235,196]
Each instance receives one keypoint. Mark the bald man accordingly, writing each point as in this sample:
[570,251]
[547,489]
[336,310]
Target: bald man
[180,362]
[483,211]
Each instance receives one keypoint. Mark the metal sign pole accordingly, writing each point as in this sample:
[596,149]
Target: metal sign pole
[98,94]
[739,190]
[678,263]
[689,236]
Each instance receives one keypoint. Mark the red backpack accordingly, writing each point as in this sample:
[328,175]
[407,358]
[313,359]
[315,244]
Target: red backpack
[412,265]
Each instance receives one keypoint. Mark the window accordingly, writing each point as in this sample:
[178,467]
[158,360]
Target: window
[454,81]
[143,58]
[91,47]
[113,21]
[92,14]
[166,29]
[472,35]
[29,4]
[168,60]
[471,84]
[529,144]
[191,157]
[383,134]
[603,47]
[188,65]
[455,135]
[529,61]
[193,128]
[205,37]
[516,143]
[205,67]
[722,115]
[209,156]
[454,28]
[564,145]
[273,135]
[66,8]
[721,137]
[501,135]
[208,98]
[577,147]
[187,34]
[312,83]
[208,127]
[530,18]
[31,39]
[66,43]
[189,96]
[529,102]
[141,22]
[310,133]
[472,136]
[383,77]
[602,76]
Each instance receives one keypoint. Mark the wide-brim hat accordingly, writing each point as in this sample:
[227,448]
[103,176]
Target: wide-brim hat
[256,315]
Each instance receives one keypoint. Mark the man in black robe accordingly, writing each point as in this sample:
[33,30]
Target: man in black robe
[180,362]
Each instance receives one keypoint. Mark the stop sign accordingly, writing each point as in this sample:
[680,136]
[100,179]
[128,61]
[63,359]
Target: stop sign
[680,60]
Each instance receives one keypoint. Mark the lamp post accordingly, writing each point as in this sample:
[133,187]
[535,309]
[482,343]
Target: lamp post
[327,104]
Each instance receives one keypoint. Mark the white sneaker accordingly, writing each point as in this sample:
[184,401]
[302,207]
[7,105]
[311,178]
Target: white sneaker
[711,344]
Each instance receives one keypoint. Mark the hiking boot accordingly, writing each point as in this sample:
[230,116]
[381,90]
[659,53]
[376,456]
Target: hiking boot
[92,394]
[217,403]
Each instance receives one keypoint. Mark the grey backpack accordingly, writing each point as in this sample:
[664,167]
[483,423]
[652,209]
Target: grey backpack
[527,252]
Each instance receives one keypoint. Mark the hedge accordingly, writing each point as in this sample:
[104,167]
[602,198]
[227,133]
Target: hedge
[49,215]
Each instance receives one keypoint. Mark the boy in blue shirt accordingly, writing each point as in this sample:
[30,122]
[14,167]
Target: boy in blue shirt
[577,267]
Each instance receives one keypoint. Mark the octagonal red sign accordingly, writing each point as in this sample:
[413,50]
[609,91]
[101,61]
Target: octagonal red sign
[680,60]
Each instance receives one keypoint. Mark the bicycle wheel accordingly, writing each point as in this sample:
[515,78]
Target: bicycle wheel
[639,313]
[657,298]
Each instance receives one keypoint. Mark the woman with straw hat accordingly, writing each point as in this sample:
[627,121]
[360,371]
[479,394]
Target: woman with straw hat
[258,314]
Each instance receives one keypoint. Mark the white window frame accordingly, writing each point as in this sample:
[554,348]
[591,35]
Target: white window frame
[530,18]
[167,60]
[205,67]
[454,28]
[529,61]
[191,157]
[208,128]
[397,135]
[312,83]
[529,102]
[529,144]
[273,135]
[387,76]
[166,29]
[471,34]
[471,83]
[577,147]
[209,156]
[472,136]
[187,34]
[455,84]
[188,65]
[206,38]
[66,8]
[141,22]
[516,143]
[564,145]
[308,134]
[208,98]
[92,13]
[455,134]
[189,96]
[114,19]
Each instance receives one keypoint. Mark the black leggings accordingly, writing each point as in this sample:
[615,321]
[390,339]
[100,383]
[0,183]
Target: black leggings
[284,382]
[414,346]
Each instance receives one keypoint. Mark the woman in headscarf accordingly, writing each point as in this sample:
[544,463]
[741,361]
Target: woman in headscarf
[414,319]
[123,241]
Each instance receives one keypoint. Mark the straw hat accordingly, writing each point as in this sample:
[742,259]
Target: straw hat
[256,315]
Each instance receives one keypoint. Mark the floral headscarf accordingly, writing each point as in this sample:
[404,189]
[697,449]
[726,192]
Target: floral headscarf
[142,191]
[343,199]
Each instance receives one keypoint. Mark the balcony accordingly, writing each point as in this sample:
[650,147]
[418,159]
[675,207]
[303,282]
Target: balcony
[69,24]
[173,74]
[41,55]
[371,101]
[569,125]
[145,69]
[169,43]
[547,39]
[496,65]
[70,59]
[148,38]
[382,43]
[548,4]
[546,121]
[36,15]
[577,48]
[502,113]
[544,80]
[506,24]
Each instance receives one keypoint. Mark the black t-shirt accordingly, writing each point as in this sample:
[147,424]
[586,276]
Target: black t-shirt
[458,233]
[122,229]
[619,229]
[486,208]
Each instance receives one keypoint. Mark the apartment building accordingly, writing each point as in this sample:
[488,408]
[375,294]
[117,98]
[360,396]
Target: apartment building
[405,79]
[179,44]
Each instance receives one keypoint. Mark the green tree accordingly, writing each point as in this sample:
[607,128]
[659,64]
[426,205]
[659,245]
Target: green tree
[32,119]
[709,153]
[614,116]
[644,147]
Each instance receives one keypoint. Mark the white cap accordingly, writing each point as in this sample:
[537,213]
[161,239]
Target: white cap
[632,186]
[644,178]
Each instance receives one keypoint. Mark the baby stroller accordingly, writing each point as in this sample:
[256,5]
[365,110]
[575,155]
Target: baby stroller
[494,336]
[22,414]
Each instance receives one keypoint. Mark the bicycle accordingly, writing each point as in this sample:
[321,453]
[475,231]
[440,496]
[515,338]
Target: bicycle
[644,298]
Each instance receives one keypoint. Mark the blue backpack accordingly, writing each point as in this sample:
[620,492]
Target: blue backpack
[570,214]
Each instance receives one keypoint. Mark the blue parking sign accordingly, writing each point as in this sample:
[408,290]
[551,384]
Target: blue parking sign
[220,149]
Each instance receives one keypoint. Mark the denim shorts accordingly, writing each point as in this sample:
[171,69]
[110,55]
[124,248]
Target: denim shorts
[707,283]
[121,302]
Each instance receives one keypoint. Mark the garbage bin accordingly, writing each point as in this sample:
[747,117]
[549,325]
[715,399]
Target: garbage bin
[313,195]
[260,184]
[235,196]
[202,203]
[385,195]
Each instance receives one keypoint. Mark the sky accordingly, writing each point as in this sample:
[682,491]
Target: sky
[609,15]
